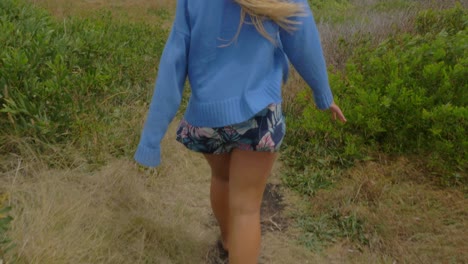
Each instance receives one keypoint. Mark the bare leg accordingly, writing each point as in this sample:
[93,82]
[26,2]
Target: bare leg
[248,174]
[219,191]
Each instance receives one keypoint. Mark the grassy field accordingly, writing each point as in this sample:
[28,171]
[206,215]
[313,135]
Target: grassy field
[86,201]
[136,11]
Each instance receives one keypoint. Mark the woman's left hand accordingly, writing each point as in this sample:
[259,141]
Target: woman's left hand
[336,113]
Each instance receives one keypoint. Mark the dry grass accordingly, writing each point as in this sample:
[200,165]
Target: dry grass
[368,22]
[122,213]
[340,40]
[405,219]
[118,214]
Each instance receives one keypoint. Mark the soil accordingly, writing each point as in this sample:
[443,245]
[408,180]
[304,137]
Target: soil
[272,218]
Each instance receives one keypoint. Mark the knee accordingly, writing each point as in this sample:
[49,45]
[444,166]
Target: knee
[220,177]
[220,174]
[243,206]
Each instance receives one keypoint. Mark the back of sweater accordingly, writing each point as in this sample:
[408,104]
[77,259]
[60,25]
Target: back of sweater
[231,78]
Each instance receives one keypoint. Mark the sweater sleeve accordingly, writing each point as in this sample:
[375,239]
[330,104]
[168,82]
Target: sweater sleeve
[303,48]
[169,86]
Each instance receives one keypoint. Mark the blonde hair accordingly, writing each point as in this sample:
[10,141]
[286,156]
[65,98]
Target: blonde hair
[279,11]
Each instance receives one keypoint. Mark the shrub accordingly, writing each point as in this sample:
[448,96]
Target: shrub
[59,79]
[407,96]
[452,20]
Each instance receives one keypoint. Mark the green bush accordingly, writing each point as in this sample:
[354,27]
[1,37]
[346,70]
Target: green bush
[408,96]
[60,78]
[452,20]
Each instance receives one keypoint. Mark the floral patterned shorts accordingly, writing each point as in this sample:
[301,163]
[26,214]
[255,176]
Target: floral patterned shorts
[263,132]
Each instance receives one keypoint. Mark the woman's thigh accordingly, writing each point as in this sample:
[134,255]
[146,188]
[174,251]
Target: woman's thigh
[248,174]
[219,164]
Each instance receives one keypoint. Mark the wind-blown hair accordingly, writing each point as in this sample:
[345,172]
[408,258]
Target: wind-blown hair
[279,11]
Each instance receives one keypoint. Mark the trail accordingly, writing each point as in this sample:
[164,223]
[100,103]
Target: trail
[187,172]
[124,214]
[121,213]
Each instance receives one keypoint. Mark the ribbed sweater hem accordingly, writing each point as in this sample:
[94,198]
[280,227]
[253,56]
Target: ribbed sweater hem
[233,110]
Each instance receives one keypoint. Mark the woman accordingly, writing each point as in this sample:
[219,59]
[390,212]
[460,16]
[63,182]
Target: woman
[236,55]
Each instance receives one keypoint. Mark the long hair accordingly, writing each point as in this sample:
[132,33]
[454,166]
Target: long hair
[279,11]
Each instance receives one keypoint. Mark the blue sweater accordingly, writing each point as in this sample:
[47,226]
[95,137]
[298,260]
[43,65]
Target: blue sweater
[230,80]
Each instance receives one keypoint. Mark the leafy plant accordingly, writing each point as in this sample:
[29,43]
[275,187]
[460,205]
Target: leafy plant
[407,96]
[63,81]
[451,20]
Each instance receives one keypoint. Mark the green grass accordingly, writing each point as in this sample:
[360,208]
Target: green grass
[322,231]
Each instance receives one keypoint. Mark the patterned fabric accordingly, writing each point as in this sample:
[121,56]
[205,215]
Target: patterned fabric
[263,132]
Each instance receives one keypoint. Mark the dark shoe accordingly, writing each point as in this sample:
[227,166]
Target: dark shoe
[223,253]
[217,254]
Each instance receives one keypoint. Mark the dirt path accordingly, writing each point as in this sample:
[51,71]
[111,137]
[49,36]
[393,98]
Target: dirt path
[122,214]
[189,171]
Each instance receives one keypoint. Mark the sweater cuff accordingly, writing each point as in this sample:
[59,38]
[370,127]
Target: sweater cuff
[147,156]
[324,101]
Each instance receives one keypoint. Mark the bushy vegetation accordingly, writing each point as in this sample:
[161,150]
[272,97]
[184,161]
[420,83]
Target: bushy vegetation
[405,97]
[63,81]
